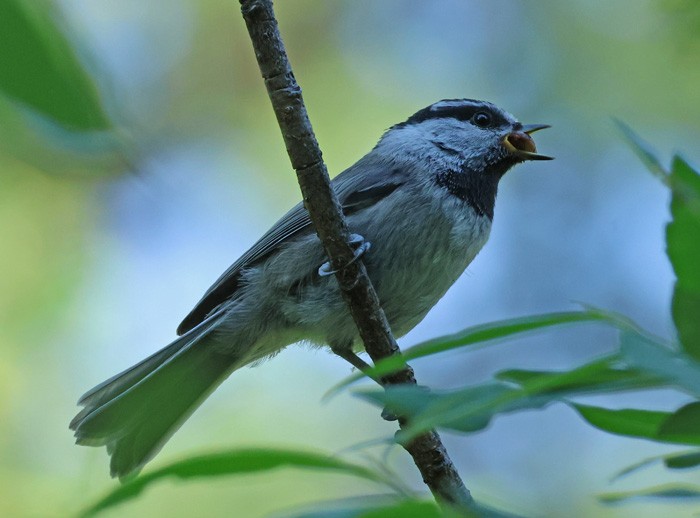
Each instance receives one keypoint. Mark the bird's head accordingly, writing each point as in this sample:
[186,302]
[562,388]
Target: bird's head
[464,145]
[478,134]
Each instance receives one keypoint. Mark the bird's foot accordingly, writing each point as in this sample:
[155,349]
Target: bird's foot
[358,243]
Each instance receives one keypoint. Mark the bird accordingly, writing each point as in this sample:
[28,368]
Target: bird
[420,206]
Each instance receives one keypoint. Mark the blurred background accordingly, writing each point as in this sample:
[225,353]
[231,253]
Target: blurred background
[108,239]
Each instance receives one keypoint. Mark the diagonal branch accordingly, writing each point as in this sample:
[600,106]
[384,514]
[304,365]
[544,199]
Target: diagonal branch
[320,200]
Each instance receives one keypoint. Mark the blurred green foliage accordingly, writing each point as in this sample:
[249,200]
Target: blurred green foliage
[235,462]
[684,17]
[39,68]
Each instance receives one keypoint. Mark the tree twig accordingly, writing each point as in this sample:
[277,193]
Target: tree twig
[427,450]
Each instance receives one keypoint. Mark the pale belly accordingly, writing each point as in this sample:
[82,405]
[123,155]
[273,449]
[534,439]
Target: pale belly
[414,279]
[412,262]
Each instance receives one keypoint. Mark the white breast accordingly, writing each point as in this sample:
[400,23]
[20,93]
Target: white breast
[416,261]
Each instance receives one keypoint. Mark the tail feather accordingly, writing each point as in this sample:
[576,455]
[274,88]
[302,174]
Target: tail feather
[137,411]
[116,385]
[111,387]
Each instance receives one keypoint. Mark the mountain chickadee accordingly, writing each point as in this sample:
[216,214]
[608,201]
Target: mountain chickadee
[424,199]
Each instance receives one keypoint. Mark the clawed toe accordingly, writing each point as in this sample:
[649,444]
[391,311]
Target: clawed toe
[358,243]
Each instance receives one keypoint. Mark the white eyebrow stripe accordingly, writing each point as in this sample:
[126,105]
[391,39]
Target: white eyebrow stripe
[454,104]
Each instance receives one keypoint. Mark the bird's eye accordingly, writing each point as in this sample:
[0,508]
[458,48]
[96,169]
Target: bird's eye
[482,119]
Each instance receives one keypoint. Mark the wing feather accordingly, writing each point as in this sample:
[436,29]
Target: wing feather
[355,192]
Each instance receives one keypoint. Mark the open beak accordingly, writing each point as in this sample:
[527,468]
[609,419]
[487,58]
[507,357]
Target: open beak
[531,128]
[520,143]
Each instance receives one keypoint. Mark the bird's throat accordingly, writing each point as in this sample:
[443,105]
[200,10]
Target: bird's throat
[477,189]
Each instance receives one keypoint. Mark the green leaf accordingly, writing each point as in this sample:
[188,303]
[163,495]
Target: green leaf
[465,410]
[645,424]
[408,508]
[478,335]
[643,150]
[683,461]
[671,491]
[683,248]
[675,460]
[630,422]
[471,409]
[683,424]
[642,352]
[644,463]
[373,506]
[233,462]
[496,331]
[604,375]
[368,505]
[683,245]
[39,68]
